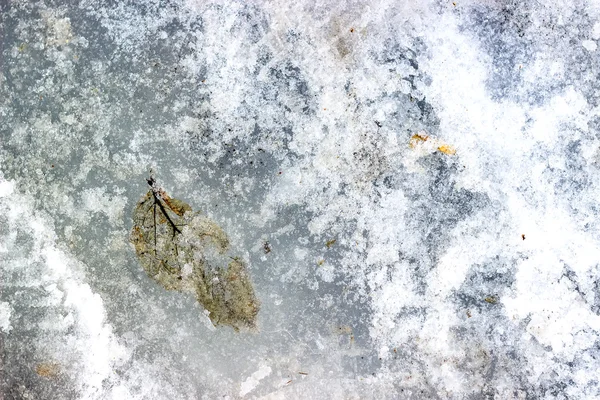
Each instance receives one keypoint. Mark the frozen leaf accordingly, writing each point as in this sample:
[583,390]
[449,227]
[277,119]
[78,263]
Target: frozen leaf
[186,251]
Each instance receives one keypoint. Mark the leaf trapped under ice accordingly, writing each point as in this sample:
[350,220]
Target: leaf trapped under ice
[185,251]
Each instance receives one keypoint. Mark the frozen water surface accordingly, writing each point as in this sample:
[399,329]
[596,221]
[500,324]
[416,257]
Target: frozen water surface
[413,185]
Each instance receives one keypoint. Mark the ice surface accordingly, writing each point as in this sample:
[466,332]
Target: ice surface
[414,186]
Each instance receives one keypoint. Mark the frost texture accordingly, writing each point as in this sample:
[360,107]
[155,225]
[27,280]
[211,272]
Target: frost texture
[186,251]
[413,187]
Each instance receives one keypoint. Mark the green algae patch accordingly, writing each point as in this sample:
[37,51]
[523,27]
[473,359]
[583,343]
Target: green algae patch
[186,251]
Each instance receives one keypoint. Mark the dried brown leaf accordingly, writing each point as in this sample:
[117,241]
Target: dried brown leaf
[186,251]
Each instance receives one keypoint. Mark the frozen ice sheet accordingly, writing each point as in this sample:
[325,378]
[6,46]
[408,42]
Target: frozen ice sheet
[413,185]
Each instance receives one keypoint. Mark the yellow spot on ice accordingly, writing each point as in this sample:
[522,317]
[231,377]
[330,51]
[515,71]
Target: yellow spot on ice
[426,144]
[446,149]
[417,139]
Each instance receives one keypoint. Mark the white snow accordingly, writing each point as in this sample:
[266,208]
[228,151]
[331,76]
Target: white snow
[5,311]
[254,380]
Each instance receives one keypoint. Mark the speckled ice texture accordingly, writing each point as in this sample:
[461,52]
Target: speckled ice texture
[461,264]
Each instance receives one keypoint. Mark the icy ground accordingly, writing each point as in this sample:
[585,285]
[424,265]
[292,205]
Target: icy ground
[413,184]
